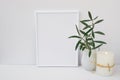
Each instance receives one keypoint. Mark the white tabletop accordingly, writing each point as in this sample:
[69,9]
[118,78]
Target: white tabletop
[31,72]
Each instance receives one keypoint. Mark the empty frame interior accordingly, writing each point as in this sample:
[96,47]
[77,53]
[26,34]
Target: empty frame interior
[53,47]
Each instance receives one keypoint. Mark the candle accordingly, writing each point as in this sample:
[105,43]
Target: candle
[104,63]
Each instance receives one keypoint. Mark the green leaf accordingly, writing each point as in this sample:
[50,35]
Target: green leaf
[99,32]
[89,30]
[101,42]
[74,36]
[93,35]
[93,44]
[95,18]
[84,23]
[89,14]
[89,52]
[86,27]
[78,43]
[98,46]
[77,30]
[89,39]
[83,32]
[83,48]
[99,21]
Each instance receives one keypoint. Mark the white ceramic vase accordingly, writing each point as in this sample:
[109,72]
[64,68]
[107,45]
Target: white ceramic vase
[87,62]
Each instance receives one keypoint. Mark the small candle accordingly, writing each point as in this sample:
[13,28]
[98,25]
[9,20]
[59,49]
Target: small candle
[105,63]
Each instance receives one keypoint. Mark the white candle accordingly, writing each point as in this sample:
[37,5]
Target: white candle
[105,63]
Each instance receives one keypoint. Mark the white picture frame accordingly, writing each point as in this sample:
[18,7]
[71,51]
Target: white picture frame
[53,47]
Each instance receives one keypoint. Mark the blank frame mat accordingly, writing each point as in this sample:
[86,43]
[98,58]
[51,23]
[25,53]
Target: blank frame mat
[54,48]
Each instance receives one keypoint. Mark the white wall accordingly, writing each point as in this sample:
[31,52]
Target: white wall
[17,43]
